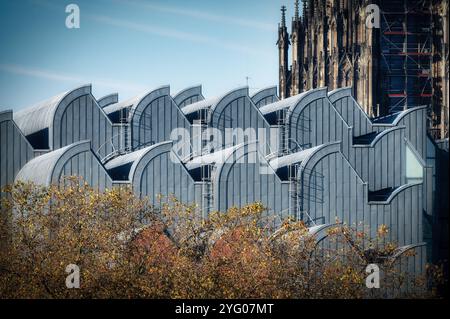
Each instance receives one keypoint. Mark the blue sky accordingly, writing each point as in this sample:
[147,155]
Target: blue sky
[132,46]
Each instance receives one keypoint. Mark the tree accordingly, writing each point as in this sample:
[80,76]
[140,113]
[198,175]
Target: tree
[125,248]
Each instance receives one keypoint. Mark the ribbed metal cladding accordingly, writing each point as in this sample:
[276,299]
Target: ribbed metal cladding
[347,165]
[15,151]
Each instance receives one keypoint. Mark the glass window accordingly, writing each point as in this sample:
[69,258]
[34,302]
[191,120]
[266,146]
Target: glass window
[414,170]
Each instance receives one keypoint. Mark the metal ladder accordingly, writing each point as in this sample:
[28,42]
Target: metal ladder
[294,190]
[281,122]
[207,190]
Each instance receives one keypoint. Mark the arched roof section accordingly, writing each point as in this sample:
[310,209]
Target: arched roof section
[211,158]
[310,162]
[404,113]
[293,158]
[395,193]
[108,100]
[400,251]
[384,133]
[134,158]
[138,102]
[320,232]
[201,105]
[44,114]
[137,161]
[217,108]
[306,98]
[6,115]
[128,158]
[15,149]
[235,154]
[395,118]
[265,93]
[215,104]
[190,92]
[370,140]
[340,93]
[224,168]
[282,104]
[45,169]
[296,102]
[144,158]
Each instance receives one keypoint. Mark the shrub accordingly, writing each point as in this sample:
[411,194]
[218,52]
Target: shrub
[128,249]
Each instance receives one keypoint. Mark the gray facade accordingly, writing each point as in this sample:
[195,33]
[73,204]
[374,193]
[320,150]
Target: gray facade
[233,110]
[65,119]
[15,150]
[153,173]
[315,156]
[147,119]
[265,96]
[188,96]
[76,159]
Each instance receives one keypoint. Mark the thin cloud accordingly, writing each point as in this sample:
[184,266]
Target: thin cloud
[54,76]
[172,33]
[202,15]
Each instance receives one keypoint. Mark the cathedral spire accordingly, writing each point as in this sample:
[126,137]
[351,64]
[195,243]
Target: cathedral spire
[283,50]
[297,14]
[283,16]
[305,12]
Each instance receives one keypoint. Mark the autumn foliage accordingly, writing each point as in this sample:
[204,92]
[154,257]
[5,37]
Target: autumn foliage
[128,249]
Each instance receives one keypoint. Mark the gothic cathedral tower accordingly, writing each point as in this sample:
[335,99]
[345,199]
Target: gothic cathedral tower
[297,40]
[283,50]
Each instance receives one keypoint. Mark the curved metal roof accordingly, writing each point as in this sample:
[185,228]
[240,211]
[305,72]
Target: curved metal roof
[108,100]
[394,193]
[291,102]
[124,104]
[211,158]
[340,93]
[395,118]
[406,112]
[263,93]
[387,119]
[40,116]
[133,102]
[40,169]
[134,158]
[294,158]
[189,92]
[6,115]
[200,105]
[212,103]
[283,104]
[129,158]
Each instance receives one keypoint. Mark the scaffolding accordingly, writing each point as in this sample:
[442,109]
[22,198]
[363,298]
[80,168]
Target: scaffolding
[406,50]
